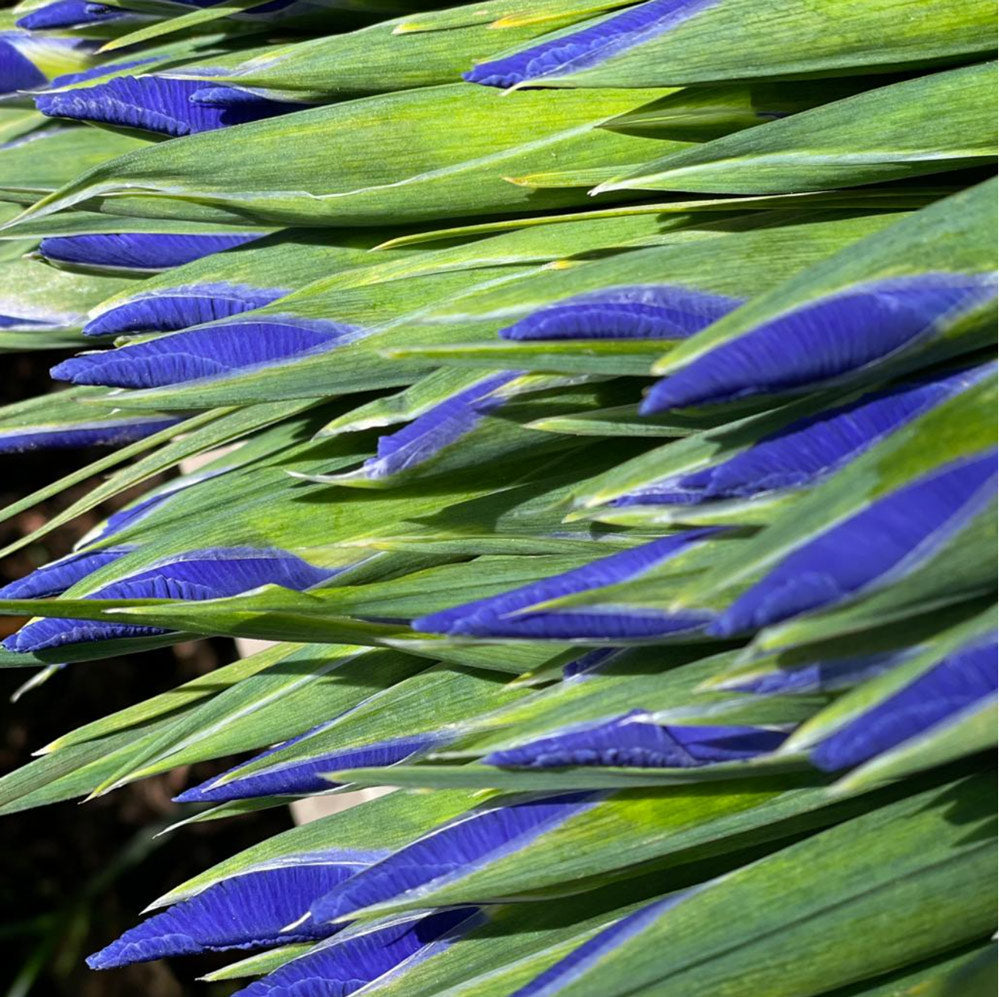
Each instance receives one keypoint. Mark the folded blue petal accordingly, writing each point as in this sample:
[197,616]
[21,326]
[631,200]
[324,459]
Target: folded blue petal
[212,573]
[110,432]
[503,616]
[807,449]
[54,578]
[832,675]
[455,849]
[304,775]
[213,351]
[180,307]
[570,968]
[959,681]
[642,311]
[343,965]
[245,911]
[436,428]
[68,14]
[17,71]
[825,339]
[156,104]
[635,740]
[138,250]
[865,549]
[590,46]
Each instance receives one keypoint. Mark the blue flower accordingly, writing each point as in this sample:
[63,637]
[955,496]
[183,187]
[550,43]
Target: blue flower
[436,428]
[96,72]
[57,576]
[959,681]
[156,104]
[246,911]
[807,449]
[503,615]
[301,776]
[178,308]
[571,967]
[212,573]
[635,740]
[825,339]
[451,851]
[867,548]
[106,432]
[145,251]
[831,675]
[642,311]
[588,47]
[136,511]
[69,14]
[17,71]
[345,964]
[212,351]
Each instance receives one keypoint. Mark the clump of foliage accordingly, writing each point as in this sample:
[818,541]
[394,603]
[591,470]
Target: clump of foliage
[600,396]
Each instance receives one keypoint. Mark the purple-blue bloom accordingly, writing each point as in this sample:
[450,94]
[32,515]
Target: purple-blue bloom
[180,307]
[455,849]
[589,46]
[212,573]
[107,432]
[17,71]
[436,428]
[951,686]
[592,661]
[119,520]
[57,576]
[212,351]
[300,776]
[343,965]
[156,104]
[245,911]
[867,548]
[138,250]
[503,616]
[821,676]
[642,311]
[571,967]
[635,740]
[807,449]
[824,339]
[69,14]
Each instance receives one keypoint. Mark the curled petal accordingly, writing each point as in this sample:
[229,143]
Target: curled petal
[824,339]
[643,311]
[68,14]
[343,965]
[96,72]
[635,740]
[951,686]
[180,307]
[864,549]
[590,46]
[108,432]
[213,351]
[212,573]
[138,250]
[804,451]
[303,775]
[503,615]
[54,578]
[436,428]
[821,676]
[451,851]
[243,912]
[156,104]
